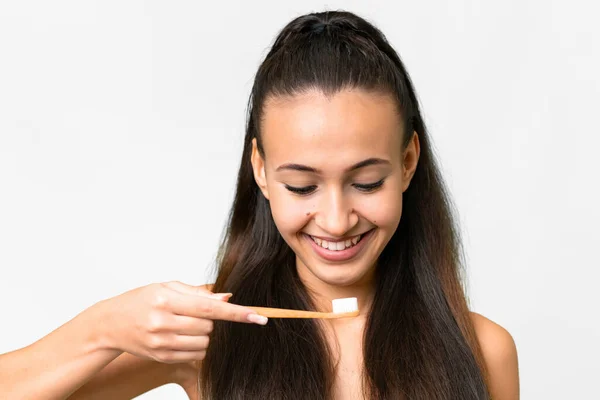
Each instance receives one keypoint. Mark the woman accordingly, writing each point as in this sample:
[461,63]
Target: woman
[338,195]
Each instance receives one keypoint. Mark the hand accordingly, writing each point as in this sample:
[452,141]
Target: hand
[169,322]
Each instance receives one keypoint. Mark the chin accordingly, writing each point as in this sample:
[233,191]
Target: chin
[338,275]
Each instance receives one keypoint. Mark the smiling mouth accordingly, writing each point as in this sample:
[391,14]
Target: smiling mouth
[339,245]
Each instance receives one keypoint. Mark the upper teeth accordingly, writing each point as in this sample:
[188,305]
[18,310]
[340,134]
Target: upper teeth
[336,246]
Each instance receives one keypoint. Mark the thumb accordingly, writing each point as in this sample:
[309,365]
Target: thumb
[221,296]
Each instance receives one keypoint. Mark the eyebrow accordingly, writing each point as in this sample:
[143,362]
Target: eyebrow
[358,165]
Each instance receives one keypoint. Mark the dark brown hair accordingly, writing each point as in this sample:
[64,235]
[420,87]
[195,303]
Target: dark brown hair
[419,342]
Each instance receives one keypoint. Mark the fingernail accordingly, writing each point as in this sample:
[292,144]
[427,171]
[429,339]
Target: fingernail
[257,319]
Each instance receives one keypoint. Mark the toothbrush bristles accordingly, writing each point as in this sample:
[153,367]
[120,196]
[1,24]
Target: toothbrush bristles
[346,305]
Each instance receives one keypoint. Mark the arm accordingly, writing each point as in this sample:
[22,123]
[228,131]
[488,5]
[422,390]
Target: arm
[59,363]
[129,376]
[500,354]
[165,323]
[71,362]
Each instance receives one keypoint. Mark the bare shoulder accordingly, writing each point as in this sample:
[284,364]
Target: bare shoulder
[500,354]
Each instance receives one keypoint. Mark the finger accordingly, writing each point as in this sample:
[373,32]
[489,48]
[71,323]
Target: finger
[196,290]
[185,325]
[203,307]
[221,296]
[174,357]
[188,289]
[190,343]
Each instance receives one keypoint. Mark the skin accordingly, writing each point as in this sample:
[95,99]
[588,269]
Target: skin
[309,129]
[329,135]
[352,125]
[306,129]
[121,347]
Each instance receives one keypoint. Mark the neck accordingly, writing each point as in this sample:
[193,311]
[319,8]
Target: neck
[323,293]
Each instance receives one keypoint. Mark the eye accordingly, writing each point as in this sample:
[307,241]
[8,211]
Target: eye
[301,190]
[368,187]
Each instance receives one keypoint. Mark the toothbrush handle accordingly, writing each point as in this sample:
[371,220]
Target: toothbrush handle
[286,313]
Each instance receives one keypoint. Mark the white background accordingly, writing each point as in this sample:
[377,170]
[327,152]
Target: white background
[121,126]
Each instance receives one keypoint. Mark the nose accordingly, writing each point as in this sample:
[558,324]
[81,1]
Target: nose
[335,215]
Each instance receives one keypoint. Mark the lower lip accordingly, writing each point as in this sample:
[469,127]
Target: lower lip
[341,255]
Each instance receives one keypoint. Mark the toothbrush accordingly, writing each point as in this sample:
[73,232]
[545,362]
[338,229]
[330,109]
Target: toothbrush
[341,308]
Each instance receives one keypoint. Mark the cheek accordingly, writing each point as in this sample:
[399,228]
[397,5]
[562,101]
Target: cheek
[290,216]
[384,210]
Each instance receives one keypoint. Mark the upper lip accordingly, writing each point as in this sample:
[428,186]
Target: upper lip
[331,239]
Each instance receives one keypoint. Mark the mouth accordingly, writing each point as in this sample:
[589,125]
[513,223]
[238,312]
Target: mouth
[338,245]
[340,250]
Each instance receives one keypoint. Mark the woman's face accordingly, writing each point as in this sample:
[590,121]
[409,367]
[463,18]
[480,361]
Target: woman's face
[334,173]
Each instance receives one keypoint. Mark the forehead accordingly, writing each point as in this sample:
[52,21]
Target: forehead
[331,132]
